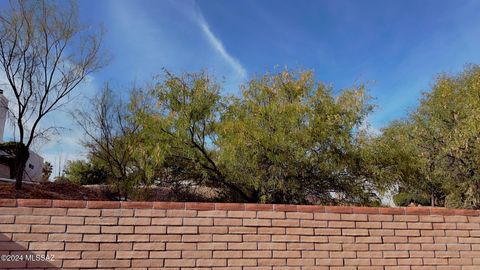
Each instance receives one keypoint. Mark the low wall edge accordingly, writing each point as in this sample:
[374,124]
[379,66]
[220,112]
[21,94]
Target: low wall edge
[206,206]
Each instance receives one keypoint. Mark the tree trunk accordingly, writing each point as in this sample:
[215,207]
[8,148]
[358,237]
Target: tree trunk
[21,158]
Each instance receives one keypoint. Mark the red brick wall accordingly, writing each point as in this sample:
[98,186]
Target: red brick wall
[136,235]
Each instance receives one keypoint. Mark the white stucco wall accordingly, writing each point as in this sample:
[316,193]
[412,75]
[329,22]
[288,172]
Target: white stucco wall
[3,114]
[33,169]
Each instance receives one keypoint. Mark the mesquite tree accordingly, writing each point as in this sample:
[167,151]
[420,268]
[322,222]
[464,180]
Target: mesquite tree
[287,139]
[45,53]
[435,151]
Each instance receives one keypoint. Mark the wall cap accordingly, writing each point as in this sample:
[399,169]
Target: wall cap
[203,206]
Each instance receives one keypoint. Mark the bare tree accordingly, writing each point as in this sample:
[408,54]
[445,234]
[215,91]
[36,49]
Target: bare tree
[45,53]
[110,138]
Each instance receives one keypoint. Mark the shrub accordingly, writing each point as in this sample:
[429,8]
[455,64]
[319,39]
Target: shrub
[84,173]
[405,199]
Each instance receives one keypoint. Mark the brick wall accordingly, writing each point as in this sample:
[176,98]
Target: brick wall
[160,235]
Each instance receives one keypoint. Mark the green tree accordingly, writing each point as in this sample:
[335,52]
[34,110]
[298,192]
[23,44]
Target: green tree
[113,141]
[436,150]
[290,140]
[397,160]
[448,125]
[85,173]
[287,139]
[178,130]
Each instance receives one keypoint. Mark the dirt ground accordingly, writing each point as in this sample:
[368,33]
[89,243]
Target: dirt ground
[62,191]
[72,191]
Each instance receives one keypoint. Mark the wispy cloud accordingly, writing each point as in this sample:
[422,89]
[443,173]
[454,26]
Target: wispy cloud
[218,45]
[181,40]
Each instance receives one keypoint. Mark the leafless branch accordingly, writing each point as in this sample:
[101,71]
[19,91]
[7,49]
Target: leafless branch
[45,54]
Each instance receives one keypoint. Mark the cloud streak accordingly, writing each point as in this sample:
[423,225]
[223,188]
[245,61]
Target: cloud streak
[219,47]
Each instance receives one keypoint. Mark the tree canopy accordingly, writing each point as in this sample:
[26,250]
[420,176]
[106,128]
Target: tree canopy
[288,139]
[436,150]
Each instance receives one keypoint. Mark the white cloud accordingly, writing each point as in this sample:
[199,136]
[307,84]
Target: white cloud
[180,39]
[218,45]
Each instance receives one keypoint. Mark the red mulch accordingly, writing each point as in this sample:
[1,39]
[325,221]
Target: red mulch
[49,190]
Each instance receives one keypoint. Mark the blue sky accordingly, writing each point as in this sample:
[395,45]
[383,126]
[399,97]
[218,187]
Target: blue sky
[397,47]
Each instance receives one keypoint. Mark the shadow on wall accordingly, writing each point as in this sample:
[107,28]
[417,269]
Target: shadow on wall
[15,254]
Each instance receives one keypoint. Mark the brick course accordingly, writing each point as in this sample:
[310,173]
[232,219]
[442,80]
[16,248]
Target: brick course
[216,236]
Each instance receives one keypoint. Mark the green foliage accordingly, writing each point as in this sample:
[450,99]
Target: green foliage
[85,173]
[405,199]
[290,139]
[178,130]
[436,151]
[14,148]
[394,160]
[287,140]
[113,142]
[448,118]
